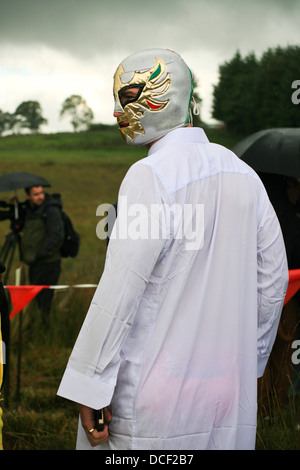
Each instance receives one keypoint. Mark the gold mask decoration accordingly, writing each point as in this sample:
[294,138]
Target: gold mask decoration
[151,88]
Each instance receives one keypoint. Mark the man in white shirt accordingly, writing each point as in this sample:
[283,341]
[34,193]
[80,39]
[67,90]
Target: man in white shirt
[185,315]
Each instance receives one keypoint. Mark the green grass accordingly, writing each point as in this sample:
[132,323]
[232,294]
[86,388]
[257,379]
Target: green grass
[87,169]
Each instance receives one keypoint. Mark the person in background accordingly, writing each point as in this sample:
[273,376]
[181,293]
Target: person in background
[281,376]
[185,314]
[42,237]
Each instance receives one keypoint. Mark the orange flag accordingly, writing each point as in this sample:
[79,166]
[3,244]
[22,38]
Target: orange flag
[21,296]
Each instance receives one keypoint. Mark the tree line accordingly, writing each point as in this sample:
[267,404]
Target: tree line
[29,115]
[254,94]
[251,94]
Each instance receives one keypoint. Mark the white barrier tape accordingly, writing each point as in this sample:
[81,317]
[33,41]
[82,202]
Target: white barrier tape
[21,295]
[55,287]
[75,285]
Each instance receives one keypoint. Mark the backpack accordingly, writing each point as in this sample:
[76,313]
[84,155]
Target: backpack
[71,243]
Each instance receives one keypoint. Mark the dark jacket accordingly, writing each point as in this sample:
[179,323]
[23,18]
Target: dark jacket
[43,232]
[287,214]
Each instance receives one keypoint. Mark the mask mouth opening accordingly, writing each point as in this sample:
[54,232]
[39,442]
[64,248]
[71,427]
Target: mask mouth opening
[122,123]
[130,93]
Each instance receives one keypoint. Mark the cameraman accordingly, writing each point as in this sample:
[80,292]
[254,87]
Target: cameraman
[43,235]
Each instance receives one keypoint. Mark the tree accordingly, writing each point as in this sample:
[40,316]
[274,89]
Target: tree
[78,109]
[234,97]
[5,121]
[29,114]
[278,69]
[256,94]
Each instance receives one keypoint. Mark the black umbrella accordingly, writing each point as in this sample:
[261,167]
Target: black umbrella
[18,179]
[274,151]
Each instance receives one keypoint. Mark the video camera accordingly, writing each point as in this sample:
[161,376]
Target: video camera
[15,212]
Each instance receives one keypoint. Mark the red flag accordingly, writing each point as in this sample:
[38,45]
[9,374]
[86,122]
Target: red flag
[294,284]
[21,296]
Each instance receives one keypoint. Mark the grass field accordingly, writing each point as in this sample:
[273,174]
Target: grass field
[86,168]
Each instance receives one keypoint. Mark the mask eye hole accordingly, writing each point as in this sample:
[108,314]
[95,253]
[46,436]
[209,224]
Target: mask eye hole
[130,93]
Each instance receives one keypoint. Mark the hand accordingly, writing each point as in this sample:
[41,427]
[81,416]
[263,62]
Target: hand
[88,422]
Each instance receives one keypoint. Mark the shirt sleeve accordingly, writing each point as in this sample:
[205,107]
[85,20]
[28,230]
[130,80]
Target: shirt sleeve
[92,370]
[272,281]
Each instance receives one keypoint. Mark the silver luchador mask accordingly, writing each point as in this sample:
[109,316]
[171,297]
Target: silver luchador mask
[163,88]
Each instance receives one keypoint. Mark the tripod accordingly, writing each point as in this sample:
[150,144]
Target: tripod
[8,251]
[12,240]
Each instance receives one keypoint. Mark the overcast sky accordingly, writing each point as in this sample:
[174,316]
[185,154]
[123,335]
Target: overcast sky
[51,49]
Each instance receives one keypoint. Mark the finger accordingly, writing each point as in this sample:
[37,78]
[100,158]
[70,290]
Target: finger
[98,437]
[107,415]
[87,417]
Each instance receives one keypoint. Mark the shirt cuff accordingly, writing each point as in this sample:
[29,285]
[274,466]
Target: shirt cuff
[85,390]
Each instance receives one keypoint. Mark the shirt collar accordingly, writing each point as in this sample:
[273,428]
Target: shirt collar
[182,134]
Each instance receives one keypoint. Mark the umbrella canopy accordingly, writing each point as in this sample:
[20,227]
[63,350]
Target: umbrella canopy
[17,180]
[274,151]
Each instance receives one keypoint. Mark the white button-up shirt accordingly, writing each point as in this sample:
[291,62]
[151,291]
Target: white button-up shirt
[185,315]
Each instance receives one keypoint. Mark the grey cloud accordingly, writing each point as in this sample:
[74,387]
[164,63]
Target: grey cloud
[91,27]
[95,35]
